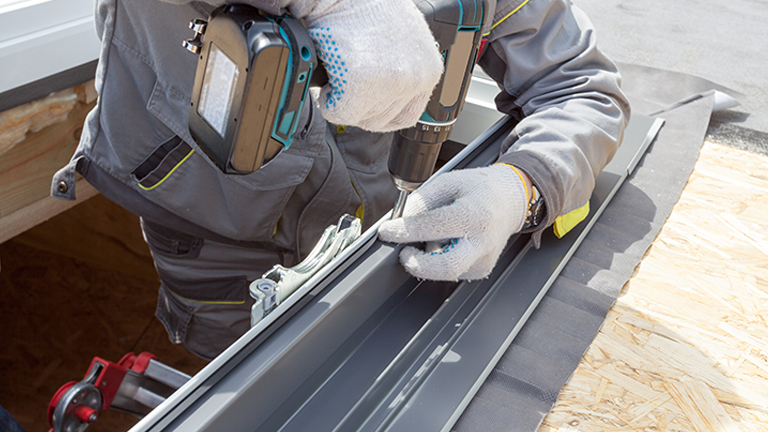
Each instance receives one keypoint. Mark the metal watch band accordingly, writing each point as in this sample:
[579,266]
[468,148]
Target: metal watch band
[536,209]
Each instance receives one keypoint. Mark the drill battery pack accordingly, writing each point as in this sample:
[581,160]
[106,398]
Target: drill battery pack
[251,82]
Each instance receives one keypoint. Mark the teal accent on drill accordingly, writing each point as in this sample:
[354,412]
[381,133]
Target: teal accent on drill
[472,28]
[305,53]
[306,89]
[461,12]
[474,16]
[463,27]
[287,123]
[295,124]
[288,140]
[425,117]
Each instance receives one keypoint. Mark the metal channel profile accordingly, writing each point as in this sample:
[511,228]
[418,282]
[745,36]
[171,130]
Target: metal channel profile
[446,391]
[364,346]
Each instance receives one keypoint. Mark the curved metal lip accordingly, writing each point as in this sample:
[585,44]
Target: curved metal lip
[362,243]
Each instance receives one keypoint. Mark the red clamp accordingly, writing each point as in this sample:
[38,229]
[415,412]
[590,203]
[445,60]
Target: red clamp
[110,375]
[102,379]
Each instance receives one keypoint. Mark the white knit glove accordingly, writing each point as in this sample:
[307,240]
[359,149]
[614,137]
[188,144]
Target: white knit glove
[381,58]
[474,210]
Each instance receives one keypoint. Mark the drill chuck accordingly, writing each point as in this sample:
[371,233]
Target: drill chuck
[414,153]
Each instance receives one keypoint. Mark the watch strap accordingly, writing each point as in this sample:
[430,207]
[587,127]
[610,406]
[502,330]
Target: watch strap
[536,209]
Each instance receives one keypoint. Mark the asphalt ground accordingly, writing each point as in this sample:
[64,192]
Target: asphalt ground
[724,42]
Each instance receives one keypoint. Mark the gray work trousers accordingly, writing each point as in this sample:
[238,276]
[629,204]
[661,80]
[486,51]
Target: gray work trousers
[203,299]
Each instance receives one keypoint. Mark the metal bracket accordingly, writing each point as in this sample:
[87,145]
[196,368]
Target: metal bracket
[280,282]
[195,44]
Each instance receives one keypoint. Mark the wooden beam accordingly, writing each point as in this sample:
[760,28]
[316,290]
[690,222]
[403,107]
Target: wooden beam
[36,140]
[40,211]
[97,233]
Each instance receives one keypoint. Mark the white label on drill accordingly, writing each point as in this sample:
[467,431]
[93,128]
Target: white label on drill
[218,90]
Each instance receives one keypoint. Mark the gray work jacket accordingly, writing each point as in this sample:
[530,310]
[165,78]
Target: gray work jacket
[136,148]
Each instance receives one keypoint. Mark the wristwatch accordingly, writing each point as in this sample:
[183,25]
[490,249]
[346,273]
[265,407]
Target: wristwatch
[537,210]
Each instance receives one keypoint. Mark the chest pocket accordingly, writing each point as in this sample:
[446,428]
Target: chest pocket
[178,176]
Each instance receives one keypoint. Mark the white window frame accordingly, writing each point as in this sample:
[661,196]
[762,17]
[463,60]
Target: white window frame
[40,38]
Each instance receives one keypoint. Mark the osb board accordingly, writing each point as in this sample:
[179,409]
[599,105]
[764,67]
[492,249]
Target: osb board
[685,347]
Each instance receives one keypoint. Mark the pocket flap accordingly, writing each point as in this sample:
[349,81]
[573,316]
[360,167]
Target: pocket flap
[287,169]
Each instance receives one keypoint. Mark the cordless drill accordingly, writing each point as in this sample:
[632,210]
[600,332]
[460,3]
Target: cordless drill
[254,71]
[456,26]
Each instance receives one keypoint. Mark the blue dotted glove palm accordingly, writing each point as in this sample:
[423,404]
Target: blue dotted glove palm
[381,58]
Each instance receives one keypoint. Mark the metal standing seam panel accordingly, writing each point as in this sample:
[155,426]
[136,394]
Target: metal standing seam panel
[370,348]
[211,386]
[436,404]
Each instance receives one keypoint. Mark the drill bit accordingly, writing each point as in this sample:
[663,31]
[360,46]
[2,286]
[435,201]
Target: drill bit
[397,210]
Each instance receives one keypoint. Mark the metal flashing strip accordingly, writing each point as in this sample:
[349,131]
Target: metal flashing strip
[200,384]
[364,346]
[513,298]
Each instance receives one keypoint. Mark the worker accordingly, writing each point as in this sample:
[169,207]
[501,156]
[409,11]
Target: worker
[211,233]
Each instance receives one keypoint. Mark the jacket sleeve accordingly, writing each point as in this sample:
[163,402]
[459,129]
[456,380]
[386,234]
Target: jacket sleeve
[564,92]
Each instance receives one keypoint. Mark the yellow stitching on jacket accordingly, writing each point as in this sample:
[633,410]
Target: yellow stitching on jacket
[169,172]
[360,212]
[507,16]
[213,302]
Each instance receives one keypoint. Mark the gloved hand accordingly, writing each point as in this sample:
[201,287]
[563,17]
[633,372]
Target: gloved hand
[381,58]
[476,210]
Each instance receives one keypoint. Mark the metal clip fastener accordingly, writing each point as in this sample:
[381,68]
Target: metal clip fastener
[195,44]
[280,282]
